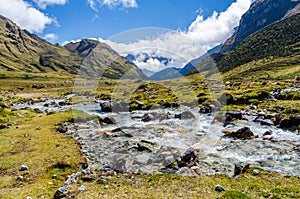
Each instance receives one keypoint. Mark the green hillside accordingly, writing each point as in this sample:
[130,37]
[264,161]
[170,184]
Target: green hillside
[281,39]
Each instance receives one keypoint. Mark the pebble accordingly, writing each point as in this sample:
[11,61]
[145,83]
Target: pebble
[28,197]
[24,168]
[81,188]
[219,188]
[255,172]
[106,187]
[20,178]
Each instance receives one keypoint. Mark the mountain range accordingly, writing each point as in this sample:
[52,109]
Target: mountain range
[24,52]
[270,28]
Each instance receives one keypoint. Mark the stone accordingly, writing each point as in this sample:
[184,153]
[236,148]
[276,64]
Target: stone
[61,193]
[108,120]
[24,168]
[267,122]
[168,160]
[106,187]
[20,178]
[235,114]
[63,128]
[269,132]
[189,154]
[255,172]
[106,107]
[219,188]
[142,159]
[81,188]
[206,108]
[148,117]
[237,169]
[243,133]
[139,181]
[226,99]
[285,123]
[28,197]
[185,171]
[185,115]
[3,126]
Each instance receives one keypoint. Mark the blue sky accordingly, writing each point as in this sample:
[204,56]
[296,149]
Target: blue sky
[206,22]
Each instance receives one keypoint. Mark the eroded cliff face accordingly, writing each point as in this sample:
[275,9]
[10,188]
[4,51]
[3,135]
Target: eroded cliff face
[261,14]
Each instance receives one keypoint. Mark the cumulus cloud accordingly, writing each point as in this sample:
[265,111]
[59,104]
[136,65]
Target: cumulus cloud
[24,15]
[51,37]
[183,46]
[113,3]
[44,3]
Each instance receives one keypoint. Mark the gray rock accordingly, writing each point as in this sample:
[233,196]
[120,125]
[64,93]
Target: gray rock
[219,188]
[81,188]
[142,159]
[237,169]
[185,171]
[61,192]
[185,115]
[189,154]
[255,172]
[24,168]
[20,178]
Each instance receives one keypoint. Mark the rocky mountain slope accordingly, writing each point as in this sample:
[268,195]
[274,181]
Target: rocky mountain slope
[279,39]
[261,14]
[100,59]
[23,52]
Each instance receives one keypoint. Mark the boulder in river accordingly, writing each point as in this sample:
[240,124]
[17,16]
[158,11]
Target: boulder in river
[235,115]
[185,115]
[106,107]
[243,133]
[148,117]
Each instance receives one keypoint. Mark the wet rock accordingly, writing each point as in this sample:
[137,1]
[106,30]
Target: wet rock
[219,188]
[185,171]
[206,108]
[267,122]
[108,120]
[269,132]
[24,168]
[235,115]
[185,115]
[63,128]
[243,133]
[189,155]
[106,107]
[285,123]
[148,117]
[61,193]
[121,106]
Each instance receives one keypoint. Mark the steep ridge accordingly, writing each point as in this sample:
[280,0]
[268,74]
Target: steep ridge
[100,59]
[261,14]
[23,52]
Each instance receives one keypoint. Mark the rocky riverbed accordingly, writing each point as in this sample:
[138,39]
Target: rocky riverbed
[177,140]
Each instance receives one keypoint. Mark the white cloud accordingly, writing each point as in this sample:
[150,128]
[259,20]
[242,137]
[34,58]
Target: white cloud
[44,3]
[113,3]
[183,46]
[24,15]
[123,3]
[51,37]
